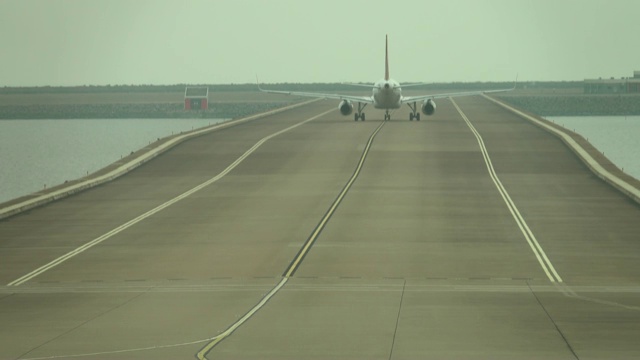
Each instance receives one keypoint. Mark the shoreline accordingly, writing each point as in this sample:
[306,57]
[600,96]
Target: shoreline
[154,103]
[122,166]
[134,111]
[575,105]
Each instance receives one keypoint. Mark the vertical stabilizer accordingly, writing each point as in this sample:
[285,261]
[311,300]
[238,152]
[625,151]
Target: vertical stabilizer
[386,57]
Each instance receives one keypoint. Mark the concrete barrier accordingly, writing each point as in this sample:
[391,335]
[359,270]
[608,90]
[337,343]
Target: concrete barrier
[595,166]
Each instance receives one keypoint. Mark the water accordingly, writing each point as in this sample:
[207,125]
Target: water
[35,154]
[617,136]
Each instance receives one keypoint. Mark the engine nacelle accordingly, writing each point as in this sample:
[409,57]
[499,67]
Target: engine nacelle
[345,107]
[429,107]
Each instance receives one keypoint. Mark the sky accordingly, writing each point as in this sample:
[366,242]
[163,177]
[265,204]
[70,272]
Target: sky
[134,42]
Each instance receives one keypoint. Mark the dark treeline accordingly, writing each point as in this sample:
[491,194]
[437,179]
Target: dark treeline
[320,87]
[580,105]
[87,89]
[132,111]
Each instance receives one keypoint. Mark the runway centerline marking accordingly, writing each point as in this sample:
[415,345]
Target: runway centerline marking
[318,229]
[202,354]
[541,256]
[157,209]
[297,260]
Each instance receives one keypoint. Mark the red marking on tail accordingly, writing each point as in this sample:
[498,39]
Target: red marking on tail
[386,57]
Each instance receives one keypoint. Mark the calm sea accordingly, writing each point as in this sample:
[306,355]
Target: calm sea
[39,153]
[617,136]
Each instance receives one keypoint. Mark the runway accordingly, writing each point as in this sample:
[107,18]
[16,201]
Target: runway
[303,234]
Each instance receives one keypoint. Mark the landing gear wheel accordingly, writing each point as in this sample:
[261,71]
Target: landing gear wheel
[359,115]
[414,114]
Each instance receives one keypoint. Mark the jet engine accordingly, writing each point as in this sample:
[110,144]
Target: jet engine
[429,107]
[345,107]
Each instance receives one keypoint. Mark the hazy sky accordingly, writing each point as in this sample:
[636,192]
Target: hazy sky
[96,42]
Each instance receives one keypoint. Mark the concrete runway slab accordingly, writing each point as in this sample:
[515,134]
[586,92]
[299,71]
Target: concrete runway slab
[422,258]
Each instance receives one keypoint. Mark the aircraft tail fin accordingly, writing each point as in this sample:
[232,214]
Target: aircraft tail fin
[386,57]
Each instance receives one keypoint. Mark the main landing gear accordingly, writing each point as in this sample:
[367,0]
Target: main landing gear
[414,114]
[359,115]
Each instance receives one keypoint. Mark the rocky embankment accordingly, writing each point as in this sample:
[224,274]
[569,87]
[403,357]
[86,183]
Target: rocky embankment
[133,111]
[576,105]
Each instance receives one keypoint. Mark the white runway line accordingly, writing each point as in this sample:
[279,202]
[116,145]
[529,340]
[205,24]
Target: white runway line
[151,212]
[601,172]
[126,167]
[541,256]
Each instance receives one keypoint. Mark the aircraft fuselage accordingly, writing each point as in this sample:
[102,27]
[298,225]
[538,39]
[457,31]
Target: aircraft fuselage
[387,94]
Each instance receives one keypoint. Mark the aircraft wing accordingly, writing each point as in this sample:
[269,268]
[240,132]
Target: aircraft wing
[360,84]
[361,99]
[406,99]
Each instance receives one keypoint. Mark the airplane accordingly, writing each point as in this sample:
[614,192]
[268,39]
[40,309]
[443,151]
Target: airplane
[387,95]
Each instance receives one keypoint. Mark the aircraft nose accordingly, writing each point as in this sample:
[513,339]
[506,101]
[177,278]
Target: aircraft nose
[386,85]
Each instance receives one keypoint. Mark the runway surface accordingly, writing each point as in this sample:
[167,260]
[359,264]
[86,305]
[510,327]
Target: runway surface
[469,234]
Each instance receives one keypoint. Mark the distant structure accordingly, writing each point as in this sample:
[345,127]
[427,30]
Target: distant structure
[196,98]
[613,86]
